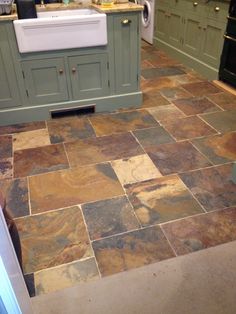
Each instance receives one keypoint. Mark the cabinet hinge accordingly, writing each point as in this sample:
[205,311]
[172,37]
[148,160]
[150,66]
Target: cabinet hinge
[27,93]
[23,74]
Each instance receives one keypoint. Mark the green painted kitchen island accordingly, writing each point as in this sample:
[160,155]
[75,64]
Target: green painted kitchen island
[35,85]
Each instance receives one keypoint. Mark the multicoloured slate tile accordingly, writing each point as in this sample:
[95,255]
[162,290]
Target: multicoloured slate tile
[69,129]
[122,122]
[212,187]
[74,186]
[155,85]
[6,169]
[16,194]
[22,127]
[53,238]
[154,101]
[201,88]
[201,232]
[65,276]
[135,169]
[100,149]
[175,93]
[153,136]
[224,100]
[30,139]
[163,199]
[109,217]
[176,157]
[131,250]
[223,121]
[187,128]
[5,146]
[196,105]
[159,72]
[218,149]
[166,113]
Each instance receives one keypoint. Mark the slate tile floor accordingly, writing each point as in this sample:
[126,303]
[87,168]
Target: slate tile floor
[99,194]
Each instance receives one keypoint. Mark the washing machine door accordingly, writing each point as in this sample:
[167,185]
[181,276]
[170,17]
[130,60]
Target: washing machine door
[146,14]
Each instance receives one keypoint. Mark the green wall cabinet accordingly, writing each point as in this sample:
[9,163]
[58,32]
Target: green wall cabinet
[9,90]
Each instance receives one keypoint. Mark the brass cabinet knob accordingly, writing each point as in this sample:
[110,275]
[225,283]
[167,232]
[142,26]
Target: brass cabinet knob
[217,9]
[195,4]
[73,70]
[61,71]
[126,22]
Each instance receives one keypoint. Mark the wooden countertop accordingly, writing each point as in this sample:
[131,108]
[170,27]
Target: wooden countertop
[121,7]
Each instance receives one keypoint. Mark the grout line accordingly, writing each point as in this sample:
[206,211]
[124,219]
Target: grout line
[29,202]
[64,146]
[190,140]
[173,249]
[140,225]
[200,117]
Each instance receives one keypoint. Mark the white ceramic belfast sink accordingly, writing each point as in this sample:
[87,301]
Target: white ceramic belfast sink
[54,30]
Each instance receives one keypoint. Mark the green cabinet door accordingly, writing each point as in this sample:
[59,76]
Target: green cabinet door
[176,28]
[126,50]
[89,75]
[45,80]
[192,34]
[9,92]
[161,30]
[212,42]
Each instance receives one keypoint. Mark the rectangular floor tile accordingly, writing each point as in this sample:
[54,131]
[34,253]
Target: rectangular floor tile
[135,169]
[6,168]
[163,199]
[154,101]
[196,105]
[5,146]
[201,232]
[213,187]
[65,276]
[131,250]
[100,149]
[176,157]
[224,100]
[70,187]
[22,127]
[174,93]
[33,161]
[109,217]
[153,136]
[69,129]
[16,193]
[155,85]
[188,128]
[223,121]
[53,238]
[166,113]
[218,149]
[201,88]
[159,72]
[121,122]
[30,139]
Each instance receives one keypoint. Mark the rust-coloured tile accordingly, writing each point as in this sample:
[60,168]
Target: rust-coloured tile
[121,122]
[69,129]
[153,136]
[166,113]
[154,100]
[131,250]
[224,100]
[5,146]
[155,85]
[219,149]
[196,105]
[174,93]
[176,157]
[23,127]
[187,128]
[16,194]
[162,199]
[53,238]
[203,231]
[184,79]
[213,187]
[74,186]
[109,217]
[30,139]
[100,149]
[201,88]
[33,161]
[146,65]
[223,121]
[6,169]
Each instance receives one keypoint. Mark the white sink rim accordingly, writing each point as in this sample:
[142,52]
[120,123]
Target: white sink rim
[66,13]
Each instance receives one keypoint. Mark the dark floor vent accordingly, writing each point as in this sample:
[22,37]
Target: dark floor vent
[61,113]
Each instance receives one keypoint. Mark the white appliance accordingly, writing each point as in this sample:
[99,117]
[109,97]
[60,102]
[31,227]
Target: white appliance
[148,15]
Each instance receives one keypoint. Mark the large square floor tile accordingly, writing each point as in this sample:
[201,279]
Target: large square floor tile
[109,217]
[175,93]
[203,231]
[163,199]
[120,122]
[196,105]
[176,157]
[100,149]
[212,187]
[69,129]
[154,100]
[201,88]
[218,149]
[33,161]
[158,72]
[224,100]
[22,127]
[223,121]
[53,238]
[166,113]
[131,250]
[75,186]
[30,139]
[153,136]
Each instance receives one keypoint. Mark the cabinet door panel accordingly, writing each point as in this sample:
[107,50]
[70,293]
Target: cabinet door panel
[89,76]
[176,28]
[192,35]
[9,95]
[126,47]
[161,23]
[45,80]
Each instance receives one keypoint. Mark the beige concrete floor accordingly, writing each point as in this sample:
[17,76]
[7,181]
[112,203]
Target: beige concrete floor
[199,283]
